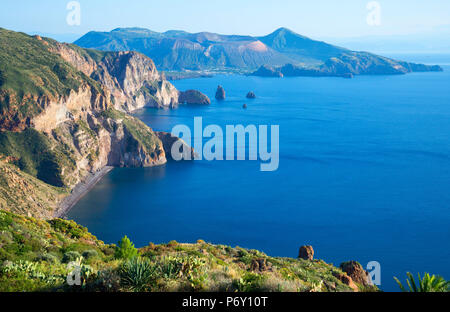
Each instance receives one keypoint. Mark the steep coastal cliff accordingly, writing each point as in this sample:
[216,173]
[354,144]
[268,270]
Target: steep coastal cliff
[63,117]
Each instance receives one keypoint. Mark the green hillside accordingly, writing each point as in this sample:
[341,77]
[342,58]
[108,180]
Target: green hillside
[34,256]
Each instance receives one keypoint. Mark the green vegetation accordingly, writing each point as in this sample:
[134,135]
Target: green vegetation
[24,194]
[34,256]
[36,154]
[429,283]
[28,69]
[137,274]
[126,249]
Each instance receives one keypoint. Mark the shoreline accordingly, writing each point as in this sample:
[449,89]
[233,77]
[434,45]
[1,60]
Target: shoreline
[79,191]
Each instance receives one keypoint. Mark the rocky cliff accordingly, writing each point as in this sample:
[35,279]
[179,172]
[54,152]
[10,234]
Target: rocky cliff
[63,115]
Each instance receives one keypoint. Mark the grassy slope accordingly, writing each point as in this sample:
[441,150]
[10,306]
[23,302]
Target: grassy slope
[33,253]
[24,194]
[28,69]
[37,155]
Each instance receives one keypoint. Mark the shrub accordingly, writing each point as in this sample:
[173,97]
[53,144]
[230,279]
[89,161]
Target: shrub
[250,282]
[170,267]
[429,283]
[107,281]
[71,256]
[172,243]
[89,254]
[137,274]
[68,227]
[48,258]
[125,249]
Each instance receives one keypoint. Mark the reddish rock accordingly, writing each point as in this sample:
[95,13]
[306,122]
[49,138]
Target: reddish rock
[347,280]
[356,272]
[306,252]
[259,265]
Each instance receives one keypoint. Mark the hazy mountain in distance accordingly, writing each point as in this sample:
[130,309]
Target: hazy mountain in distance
[300,48]
[177,50]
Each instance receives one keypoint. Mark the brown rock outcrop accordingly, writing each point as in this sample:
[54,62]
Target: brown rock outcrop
[258,265]
[347,280]
[356,272]
[306,252]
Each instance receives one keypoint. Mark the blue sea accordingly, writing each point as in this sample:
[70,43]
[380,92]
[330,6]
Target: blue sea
[364,174]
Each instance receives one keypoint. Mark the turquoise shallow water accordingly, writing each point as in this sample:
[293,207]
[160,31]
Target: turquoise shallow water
[364,174]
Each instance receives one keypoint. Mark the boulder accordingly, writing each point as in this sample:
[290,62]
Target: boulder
[347,280]
[356,272]
[306,253]
[251,95]
[220,93]
[193,97]
[258,265]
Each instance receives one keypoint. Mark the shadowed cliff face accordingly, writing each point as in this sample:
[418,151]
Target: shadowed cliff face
[63,115]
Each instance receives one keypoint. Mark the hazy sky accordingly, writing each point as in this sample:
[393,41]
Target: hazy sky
[314,18]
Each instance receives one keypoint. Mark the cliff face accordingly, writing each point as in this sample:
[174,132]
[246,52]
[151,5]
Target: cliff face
[130,77]
[63,115]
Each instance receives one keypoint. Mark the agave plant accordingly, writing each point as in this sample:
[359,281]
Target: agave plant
[137,274]
[429,283]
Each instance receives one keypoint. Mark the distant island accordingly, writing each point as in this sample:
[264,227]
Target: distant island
[281,53]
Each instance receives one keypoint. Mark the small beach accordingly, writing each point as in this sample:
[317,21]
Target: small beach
[80,190]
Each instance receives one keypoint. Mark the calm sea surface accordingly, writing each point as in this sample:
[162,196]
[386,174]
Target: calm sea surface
[364,174]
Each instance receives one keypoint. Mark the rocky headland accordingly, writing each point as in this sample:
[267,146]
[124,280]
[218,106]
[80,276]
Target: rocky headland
[64,118]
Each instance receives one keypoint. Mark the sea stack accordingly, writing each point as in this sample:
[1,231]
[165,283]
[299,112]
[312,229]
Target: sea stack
[220,93]
[251,95]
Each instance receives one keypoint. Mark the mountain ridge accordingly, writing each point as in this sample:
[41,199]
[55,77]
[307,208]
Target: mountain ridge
[177,50]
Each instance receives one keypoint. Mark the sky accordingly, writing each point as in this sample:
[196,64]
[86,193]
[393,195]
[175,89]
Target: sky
[316,19]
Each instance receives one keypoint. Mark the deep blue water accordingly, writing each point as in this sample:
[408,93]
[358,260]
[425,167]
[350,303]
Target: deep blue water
[364,174]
